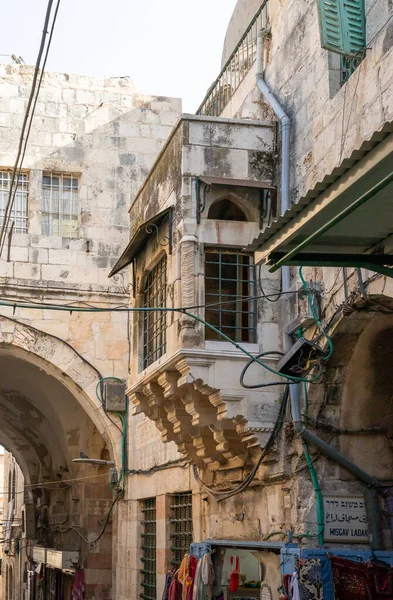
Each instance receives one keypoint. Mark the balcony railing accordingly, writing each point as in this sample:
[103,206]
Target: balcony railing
[236,67]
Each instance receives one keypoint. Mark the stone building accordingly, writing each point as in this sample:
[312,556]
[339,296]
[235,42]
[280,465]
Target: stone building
[197,436]
[13,547]
[286,164]
[91,145]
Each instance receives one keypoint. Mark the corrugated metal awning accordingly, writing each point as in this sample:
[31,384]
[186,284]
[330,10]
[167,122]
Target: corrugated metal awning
[348,222]
[139,239]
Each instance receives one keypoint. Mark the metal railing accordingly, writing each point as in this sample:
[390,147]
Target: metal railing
[236,67]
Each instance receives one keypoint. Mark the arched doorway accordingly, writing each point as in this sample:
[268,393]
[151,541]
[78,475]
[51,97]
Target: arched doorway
[49,414]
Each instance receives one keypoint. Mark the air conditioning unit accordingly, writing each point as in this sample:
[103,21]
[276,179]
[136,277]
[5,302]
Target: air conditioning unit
[29,522]
[114,395]
[297,307]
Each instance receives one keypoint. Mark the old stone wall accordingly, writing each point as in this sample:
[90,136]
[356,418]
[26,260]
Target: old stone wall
[106,135]
[329,122]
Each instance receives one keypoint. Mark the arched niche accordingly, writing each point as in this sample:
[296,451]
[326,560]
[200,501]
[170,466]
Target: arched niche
[226,209]
[367,400]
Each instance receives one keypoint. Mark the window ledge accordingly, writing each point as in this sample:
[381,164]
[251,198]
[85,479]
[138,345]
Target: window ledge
[225,346]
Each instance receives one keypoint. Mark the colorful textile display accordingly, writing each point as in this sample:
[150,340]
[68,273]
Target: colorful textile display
[310,579]
[168,581]
[350,580]
[175,590]
[204,577]
[78,587]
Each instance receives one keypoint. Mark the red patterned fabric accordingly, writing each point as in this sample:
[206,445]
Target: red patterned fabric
[361,581]
[350,580]
[175,590]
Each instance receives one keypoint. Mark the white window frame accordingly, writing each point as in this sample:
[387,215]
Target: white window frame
[60,204]
[18,214]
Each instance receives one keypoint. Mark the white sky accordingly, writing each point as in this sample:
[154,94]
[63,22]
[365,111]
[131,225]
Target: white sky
[167,47]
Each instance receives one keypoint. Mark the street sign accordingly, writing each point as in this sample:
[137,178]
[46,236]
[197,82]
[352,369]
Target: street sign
[345,519]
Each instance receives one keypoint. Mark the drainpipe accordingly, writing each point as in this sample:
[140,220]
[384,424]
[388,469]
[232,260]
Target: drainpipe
[284,122]
[326,449]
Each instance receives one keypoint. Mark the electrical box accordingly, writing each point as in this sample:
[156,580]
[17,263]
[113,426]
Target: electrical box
[298,313]
[300,359]
[29,522]
[114,395]
[61,559]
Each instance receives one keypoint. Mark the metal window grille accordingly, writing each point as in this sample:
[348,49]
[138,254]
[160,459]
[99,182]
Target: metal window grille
[230,284]
[60,205]
[181,526]
[18,214]
[347,66]
[148,547]
[154,323]
[236,67]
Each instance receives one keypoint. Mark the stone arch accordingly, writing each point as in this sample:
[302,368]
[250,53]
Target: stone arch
[367,399]
[237,200]
[226,210]
[49,413]
[55,359]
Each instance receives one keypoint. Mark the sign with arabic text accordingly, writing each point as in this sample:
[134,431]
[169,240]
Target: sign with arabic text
[345,519]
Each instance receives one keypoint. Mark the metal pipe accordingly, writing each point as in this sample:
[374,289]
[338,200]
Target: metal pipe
[362,288]
[373,509]
[389,509]
[284,122]
[326,449]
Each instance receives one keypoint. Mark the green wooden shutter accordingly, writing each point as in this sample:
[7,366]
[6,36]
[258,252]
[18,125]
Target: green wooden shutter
[342,25]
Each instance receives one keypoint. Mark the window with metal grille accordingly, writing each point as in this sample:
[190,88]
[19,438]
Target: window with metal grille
[181,526]
[60,205]
[18,214]
[148,548]
[229,288]
[154,322]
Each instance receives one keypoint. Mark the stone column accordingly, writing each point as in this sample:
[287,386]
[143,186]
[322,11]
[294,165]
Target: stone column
[191,335]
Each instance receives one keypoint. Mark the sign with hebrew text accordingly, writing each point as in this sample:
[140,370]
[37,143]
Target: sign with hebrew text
[345,519]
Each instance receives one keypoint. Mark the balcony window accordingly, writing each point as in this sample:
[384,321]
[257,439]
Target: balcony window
[154,322]
[229,291]
[18,214]
[60,205]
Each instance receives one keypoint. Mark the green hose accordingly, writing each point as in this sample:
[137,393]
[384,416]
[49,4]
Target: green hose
[315,483]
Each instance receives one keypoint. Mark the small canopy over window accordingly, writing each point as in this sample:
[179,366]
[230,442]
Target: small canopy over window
[226,210]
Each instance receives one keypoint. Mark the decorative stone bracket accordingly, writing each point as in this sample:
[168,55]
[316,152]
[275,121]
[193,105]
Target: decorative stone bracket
[204,423]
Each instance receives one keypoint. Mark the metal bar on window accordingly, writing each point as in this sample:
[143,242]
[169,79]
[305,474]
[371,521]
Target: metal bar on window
[148,548]
[60,208]
[18,214]
[229,285]
[181,526]
[154,323]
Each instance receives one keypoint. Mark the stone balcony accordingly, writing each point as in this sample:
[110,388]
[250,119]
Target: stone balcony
[192,391]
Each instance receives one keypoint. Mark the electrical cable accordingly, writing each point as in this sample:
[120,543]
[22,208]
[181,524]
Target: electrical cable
[314,480]
[71,306]
[31,116]
[92,543]
[31,121]
[260,385]
[220,495]
[24,124]
[184,311]
[269,297]
[315,315]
